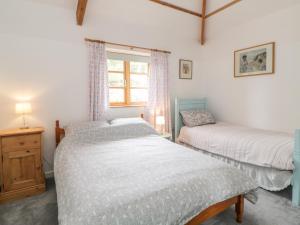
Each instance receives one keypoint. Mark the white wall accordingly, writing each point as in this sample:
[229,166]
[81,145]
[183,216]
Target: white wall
[43,55]
[270,101]
[43,58]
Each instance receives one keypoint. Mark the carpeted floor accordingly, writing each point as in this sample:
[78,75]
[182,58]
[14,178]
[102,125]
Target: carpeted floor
[271,209]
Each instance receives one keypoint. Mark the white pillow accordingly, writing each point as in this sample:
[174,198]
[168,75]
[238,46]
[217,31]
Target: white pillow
[81,127]
[132,120]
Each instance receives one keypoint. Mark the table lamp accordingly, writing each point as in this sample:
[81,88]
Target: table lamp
[160,121]
[23,108]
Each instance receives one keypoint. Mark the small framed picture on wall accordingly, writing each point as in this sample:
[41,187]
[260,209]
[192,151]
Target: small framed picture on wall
[185,69]
[253,61]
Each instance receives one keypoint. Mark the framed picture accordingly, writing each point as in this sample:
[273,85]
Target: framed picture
[257,60]
[185,69]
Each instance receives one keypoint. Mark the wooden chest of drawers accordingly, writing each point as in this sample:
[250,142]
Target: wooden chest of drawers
[21,169]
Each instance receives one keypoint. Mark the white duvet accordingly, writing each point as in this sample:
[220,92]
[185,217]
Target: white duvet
[244,144]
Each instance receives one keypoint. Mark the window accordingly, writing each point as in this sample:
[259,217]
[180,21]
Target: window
[128,82]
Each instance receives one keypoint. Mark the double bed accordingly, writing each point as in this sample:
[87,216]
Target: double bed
[270,158]
[125,173]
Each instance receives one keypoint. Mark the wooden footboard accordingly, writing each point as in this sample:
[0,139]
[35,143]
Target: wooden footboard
[220,207]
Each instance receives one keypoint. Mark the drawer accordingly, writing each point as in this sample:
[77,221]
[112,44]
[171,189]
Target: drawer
[20,142]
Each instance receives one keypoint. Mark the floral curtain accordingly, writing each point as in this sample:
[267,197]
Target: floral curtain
[98,80]
[157,111]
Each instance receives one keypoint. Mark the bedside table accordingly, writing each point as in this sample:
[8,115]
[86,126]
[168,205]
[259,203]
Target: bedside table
[167,136]
[21,168]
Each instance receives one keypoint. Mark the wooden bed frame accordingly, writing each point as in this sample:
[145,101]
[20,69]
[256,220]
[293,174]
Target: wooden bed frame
[186,104]
[208,213]
[59,133]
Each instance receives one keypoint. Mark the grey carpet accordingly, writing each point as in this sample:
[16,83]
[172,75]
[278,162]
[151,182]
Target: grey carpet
[271,209]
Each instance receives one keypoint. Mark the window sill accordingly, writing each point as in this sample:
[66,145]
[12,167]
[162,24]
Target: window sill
[126,106]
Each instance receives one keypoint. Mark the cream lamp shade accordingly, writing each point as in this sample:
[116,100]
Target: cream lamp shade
[160,120]
[23,108]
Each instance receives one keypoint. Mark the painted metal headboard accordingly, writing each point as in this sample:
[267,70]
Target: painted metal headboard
[186,104]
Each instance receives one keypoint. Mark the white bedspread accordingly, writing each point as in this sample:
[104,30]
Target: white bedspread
[129,175]
[244,144]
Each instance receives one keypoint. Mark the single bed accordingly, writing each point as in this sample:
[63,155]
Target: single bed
[271,158]
[128,174]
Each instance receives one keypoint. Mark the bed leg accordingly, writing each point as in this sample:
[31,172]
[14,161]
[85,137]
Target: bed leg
[239,209]
[296,173]
[296,189]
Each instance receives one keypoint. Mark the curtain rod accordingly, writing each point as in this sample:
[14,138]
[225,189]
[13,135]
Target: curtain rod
[123,45]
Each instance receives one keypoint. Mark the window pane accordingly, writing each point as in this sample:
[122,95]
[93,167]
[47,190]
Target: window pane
[139,67]
[116,79]
[116,95]
[139,95]
[115,65]
[140,81]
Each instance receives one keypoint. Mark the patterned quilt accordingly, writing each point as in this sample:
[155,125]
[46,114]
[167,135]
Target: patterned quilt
[129,175]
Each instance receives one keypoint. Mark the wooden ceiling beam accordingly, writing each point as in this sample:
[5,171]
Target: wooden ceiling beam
[222,8]
[81,7]
[204,16]
[203,22]
[176,7]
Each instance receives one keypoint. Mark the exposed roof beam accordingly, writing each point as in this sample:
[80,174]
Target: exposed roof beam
[203,22]
[81,6]
[222,8]
[204,16]
[176,7]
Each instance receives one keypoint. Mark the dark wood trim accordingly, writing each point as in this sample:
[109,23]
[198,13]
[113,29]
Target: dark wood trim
[222,8]
[80,12]
[203,22]
[176,7]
